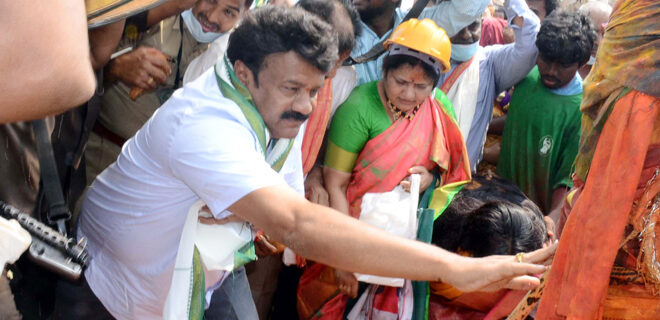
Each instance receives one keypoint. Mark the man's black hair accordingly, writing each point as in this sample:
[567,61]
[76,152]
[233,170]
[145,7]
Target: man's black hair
[550,6]
[477,220]
[566,37]
[395,61]
[275,29]
[325,10]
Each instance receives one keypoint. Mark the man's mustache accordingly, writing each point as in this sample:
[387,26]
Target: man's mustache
[293,115]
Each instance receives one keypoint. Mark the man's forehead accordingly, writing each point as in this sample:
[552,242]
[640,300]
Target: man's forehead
[290,67]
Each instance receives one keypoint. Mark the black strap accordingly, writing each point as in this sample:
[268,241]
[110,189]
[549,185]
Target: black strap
[379,48]
[91,114]
[177,77]
[58,212]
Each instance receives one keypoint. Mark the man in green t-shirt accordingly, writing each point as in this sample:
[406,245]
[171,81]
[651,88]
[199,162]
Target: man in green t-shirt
[542,128]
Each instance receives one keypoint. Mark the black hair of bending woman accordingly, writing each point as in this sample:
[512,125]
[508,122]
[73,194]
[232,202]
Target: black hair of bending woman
[490,216]
[501,228]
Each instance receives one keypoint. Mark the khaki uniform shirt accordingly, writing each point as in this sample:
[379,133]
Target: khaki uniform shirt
[124,116]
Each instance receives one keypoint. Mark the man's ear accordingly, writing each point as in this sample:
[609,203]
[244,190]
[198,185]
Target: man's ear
[243,73]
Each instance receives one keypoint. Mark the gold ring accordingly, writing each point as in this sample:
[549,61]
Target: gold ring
[520,256]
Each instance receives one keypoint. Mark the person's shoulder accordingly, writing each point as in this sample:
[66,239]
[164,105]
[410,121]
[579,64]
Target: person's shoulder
[362,95]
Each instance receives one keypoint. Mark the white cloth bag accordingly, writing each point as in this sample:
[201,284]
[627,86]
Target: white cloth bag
[394,212]
[216,244]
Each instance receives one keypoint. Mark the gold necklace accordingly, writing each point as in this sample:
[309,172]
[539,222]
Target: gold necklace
[398,113]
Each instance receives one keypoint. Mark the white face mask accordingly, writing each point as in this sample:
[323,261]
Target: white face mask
[195,28]
[592,61]
[463,52]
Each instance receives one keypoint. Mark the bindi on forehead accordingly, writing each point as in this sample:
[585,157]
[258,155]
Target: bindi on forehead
[414,75]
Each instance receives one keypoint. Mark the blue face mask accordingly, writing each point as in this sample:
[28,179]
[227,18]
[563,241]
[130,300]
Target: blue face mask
[463,52]
[195,28]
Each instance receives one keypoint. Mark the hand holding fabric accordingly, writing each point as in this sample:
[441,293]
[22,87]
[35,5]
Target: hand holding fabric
[425,180]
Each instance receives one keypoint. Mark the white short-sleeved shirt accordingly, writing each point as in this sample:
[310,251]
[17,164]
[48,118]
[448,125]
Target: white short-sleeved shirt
[197,145]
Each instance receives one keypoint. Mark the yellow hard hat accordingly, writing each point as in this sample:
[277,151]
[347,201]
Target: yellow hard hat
[423,36]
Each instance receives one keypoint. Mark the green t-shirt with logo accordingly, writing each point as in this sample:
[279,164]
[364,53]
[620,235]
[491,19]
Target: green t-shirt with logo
[540,140]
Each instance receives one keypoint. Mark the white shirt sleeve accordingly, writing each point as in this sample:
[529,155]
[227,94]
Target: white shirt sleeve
[342,85]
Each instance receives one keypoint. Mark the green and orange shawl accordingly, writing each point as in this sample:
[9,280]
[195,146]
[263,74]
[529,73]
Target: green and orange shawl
[431,138]
[619,128]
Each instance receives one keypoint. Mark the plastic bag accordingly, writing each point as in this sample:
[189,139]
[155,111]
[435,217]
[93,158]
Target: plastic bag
[394,212]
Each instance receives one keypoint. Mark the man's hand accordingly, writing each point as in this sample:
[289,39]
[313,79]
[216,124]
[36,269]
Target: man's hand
[498,272]
[347,283]
[264,246]
[144,68]
[314,189]
[262,243]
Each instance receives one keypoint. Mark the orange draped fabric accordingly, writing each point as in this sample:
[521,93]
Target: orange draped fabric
[620,125]
[316,126]
[578,283]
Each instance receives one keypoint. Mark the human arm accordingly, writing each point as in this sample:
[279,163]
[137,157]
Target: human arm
[512,62]
[103,42]
[324,235]
[552,219]
[454,15]
[45,59]
[166,10]
[336,183]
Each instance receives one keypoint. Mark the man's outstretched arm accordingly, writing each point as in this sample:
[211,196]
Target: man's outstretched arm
[44,58]
[324,235]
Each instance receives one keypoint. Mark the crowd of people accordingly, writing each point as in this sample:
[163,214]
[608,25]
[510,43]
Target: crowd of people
[333,159]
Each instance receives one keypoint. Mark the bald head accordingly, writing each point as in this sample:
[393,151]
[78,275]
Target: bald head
[598,11]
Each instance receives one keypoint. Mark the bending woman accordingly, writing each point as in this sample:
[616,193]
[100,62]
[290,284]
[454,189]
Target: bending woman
[384,132]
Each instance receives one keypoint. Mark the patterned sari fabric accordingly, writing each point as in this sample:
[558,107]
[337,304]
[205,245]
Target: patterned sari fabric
[431,138]
[316,126]
[616,204]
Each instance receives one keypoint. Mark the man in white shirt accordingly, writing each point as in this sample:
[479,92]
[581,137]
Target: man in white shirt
[212,141]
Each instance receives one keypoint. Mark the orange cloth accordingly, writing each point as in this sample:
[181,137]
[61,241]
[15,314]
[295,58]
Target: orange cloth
[620,122]
[316,126]
[627,57]
[580,275]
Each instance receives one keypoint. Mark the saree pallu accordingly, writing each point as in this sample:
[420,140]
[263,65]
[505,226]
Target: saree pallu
[619,124]
[316,127]
[430,138]
[616,206]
